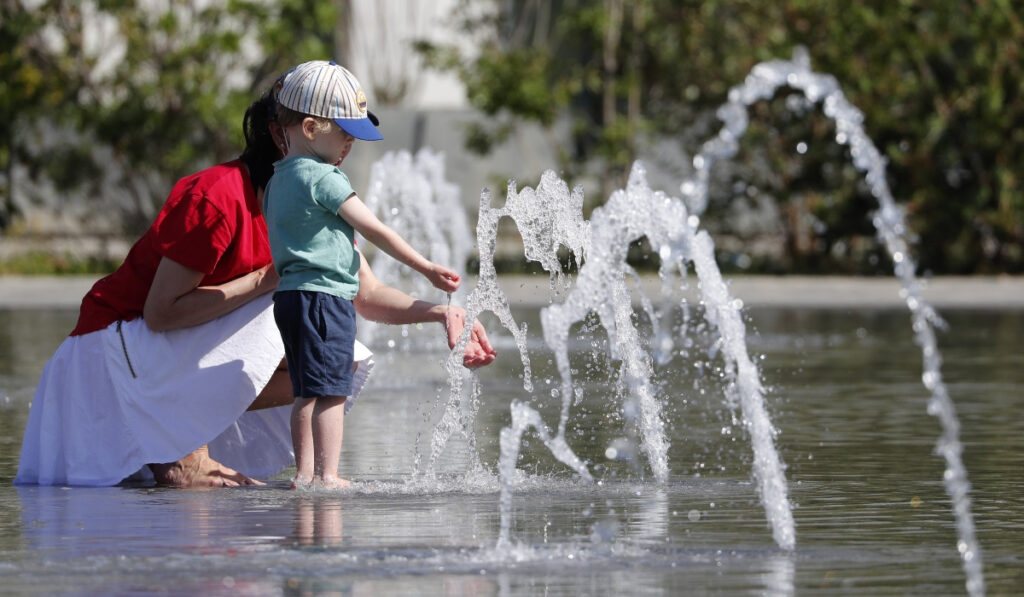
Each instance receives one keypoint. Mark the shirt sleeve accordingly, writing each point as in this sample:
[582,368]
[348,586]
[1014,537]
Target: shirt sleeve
[332,190]
[194,233]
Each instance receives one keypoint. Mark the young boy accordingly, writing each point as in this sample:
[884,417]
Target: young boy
[322,109]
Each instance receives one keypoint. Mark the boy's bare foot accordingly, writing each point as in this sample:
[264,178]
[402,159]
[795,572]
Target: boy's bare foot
[198,470]
[302,482]
[332,482]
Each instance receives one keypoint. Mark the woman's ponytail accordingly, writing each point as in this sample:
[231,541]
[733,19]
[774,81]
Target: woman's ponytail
[260,150]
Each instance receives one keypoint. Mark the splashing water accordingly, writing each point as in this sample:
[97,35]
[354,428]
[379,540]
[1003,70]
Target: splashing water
[511,438]
[762,83]
[601,288]
[411,194]
[547,218]
[550,218]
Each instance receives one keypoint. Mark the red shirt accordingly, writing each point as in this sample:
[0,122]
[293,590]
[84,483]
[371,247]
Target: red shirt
[211,223]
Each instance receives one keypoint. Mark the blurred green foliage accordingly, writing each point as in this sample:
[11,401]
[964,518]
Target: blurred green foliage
[171,102]
[940,83]
[48,263]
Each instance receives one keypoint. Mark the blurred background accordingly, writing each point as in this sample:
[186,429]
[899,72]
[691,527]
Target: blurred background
[105,103]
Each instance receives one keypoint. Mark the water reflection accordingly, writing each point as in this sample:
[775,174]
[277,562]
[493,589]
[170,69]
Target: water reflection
[318,521]
[778,581]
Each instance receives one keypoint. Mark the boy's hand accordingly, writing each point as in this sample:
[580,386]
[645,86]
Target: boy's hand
[443,278]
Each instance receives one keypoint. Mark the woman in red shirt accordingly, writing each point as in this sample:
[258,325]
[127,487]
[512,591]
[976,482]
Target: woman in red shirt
[172,349]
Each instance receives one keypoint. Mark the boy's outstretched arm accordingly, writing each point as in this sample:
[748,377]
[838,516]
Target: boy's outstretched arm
[355,212]
[377,301]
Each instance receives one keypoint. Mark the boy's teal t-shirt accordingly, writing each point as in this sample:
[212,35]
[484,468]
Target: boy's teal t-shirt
[311,244]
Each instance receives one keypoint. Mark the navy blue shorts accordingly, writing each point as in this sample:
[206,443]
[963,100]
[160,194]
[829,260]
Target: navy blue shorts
[319,331]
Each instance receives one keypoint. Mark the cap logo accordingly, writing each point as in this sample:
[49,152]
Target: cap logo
[361,100]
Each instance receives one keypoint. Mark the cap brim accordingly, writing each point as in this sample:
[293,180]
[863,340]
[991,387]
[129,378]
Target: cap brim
[361,128]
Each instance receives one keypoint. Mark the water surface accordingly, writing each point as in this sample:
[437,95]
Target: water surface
[872,516]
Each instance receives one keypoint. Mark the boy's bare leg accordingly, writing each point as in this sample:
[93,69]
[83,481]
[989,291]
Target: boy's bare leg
[303,441]
[328,429]
[197,469]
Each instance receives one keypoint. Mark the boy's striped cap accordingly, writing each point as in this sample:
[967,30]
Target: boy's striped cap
[329,90]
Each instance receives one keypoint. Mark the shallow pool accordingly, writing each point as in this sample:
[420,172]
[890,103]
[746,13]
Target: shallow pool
[872,516]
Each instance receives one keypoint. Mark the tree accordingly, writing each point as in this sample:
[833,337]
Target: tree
[939,82]
[141,92]
[30,88]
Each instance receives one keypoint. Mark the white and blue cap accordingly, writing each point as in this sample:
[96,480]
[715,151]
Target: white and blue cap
[329,90]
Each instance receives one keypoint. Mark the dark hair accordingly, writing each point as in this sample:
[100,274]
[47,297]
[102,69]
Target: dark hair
[260,150]
[287,117]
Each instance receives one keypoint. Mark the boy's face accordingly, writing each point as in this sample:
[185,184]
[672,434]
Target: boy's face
[332,146]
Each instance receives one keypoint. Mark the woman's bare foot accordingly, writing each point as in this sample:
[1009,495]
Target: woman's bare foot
[198,470]
[332,482]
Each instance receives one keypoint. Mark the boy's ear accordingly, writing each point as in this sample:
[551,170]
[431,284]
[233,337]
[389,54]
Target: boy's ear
[309,128]
[277,134]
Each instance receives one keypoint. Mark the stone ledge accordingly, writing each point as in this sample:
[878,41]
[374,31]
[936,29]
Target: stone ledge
[960,292]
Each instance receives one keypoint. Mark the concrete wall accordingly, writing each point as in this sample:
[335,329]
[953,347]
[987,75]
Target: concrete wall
[527,154]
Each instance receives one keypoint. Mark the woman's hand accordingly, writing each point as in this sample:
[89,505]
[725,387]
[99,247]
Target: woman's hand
[479,351]
[267,279]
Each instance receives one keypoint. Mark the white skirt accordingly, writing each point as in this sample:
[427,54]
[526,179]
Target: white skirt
[111,401]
